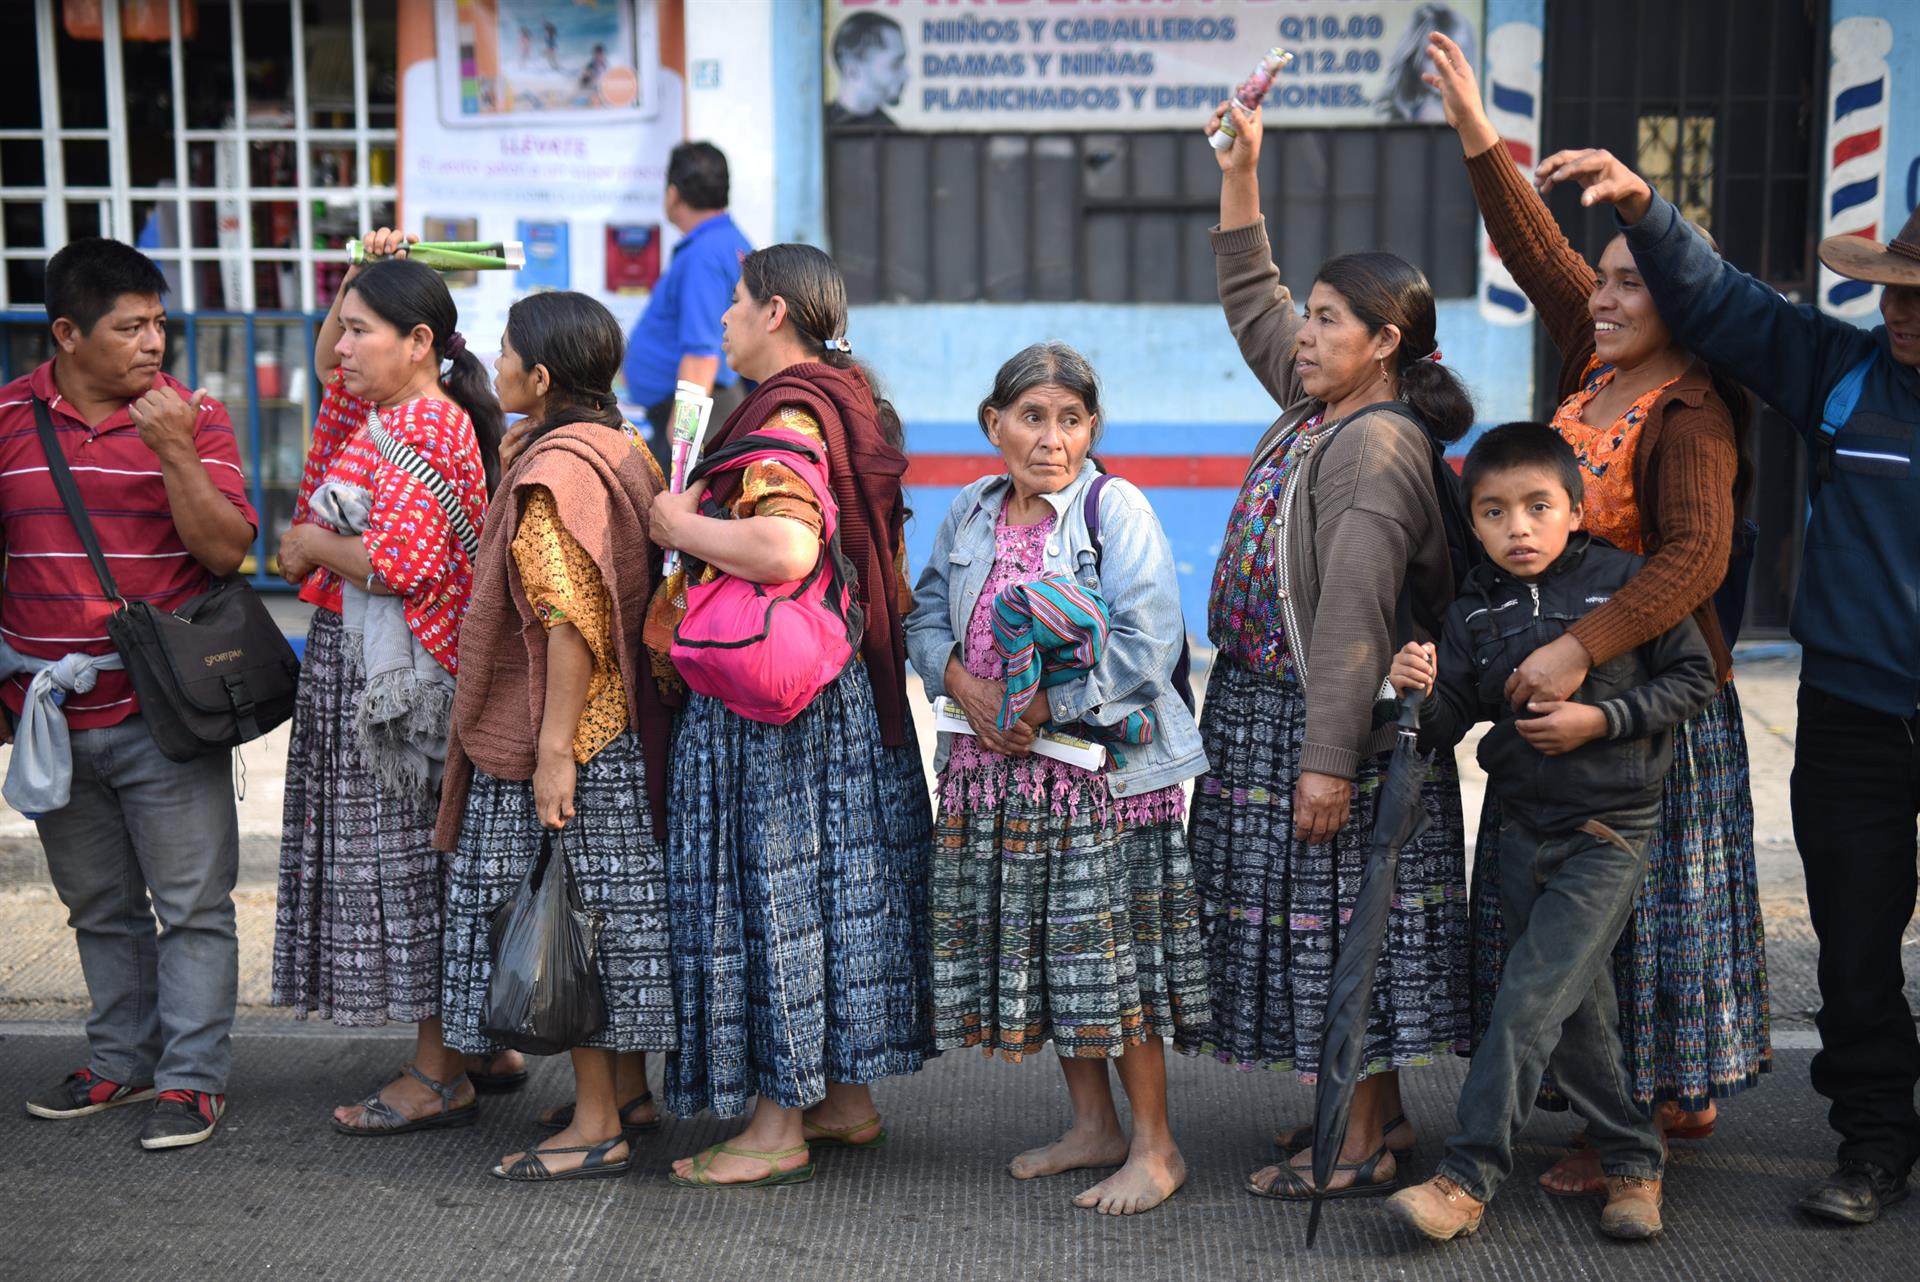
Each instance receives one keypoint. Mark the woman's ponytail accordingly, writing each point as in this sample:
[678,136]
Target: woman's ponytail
[467,383]
[1439,397]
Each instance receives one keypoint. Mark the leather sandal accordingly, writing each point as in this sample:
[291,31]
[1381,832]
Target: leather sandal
[703,1162]
[1287,1186]
[560,1118]
[1300,1138]
[827,1135]
[594,1166]
[377,1117]
[487,1082]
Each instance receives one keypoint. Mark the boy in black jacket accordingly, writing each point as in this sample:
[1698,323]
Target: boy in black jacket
[1579,786]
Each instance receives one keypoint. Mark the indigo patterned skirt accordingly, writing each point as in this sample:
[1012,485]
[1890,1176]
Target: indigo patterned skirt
[1272,907]
[357,923]
[617,866]
[797,869]
[1061,913]
[1691,966]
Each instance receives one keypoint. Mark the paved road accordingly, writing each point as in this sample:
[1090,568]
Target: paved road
[279,1194]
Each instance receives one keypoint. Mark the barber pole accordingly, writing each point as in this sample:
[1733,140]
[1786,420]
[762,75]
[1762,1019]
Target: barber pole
[1854,199]
[1513,105]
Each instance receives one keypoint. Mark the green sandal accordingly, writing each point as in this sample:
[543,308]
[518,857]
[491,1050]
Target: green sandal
[825,1135]
[703,1161]
[1287,1186]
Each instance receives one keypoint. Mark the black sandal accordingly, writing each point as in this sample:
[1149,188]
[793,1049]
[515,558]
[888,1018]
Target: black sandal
[489,1083]
[594,1166]
[377,1117]
[1287,1186]
[562,1117]
[1300,1138]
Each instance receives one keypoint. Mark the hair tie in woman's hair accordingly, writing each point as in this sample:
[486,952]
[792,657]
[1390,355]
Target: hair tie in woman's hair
[456,344]
[839,344]
[1433,356]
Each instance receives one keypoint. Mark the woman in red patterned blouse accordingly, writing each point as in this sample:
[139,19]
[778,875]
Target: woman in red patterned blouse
[361,903]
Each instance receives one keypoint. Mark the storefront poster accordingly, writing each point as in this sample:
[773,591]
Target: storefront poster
[546,162]
[948,66]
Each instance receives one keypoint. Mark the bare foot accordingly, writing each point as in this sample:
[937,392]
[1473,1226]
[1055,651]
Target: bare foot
[1073,1151]
[1147,1180]
[572,1137]
[1263,1180]
[1575,1175]
[728,1168]
[407,1097]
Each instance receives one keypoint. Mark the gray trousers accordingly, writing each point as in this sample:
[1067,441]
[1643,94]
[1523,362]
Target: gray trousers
[144,838]
[1566,898]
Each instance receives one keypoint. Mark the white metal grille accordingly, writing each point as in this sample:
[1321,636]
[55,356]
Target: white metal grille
[127,211]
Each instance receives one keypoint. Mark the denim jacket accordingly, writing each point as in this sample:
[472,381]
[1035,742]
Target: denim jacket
[1136,576]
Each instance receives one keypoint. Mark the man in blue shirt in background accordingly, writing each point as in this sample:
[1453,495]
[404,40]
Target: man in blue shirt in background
[678,337]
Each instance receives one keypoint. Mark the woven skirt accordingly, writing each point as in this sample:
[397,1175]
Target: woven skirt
[1272,907]
[1056,918]
[797,871]
[357,925]
[1691,966]
[617,866]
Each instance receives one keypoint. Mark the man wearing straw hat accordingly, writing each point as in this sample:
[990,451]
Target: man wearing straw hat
[1854,395]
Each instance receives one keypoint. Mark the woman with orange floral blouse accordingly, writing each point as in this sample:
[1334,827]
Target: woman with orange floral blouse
[565,731]
[1658,435]
[395,485]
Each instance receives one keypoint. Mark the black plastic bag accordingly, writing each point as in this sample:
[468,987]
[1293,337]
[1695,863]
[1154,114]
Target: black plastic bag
[545,996]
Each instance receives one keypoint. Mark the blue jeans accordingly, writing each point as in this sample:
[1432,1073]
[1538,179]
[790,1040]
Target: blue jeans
[1566,898]
[141,830]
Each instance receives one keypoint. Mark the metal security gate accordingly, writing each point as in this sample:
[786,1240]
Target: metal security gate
[1720,104]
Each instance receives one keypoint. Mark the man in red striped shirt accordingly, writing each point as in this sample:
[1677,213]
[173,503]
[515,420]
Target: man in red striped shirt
[159,471]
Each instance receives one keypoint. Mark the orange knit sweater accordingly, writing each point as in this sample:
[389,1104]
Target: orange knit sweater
[1683,471]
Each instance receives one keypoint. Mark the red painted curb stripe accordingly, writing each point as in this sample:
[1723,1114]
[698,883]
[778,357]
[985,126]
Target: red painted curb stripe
[1193,472]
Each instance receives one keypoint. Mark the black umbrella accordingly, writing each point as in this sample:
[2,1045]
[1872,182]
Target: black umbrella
[1399,818]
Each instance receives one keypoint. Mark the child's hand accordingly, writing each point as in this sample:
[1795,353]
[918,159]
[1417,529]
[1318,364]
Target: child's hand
[1413,668]
[1561,727]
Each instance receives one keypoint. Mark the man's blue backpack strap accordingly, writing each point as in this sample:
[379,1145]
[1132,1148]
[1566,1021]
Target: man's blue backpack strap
[1840,402]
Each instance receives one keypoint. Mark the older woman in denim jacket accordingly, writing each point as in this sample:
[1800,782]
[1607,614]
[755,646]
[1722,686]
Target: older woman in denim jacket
[1063,900]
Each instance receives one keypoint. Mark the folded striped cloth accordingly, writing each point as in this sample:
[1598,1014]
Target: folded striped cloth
[1050,631]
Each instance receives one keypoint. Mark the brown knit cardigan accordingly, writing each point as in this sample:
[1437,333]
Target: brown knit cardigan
[1684,467]
[1368,527]
[604,490]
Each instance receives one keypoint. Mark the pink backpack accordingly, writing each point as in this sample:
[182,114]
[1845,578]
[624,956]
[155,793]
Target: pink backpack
[766,649]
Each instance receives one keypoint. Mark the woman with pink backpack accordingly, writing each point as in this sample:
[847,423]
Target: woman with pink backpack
[799,827]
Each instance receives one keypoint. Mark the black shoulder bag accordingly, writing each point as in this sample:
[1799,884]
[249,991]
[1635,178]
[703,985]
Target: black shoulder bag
[212,674]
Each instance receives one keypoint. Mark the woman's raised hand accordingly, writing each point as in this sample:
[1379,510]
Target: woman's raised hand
[1244,155]
[1606,178]
[381,242]
[1452,77]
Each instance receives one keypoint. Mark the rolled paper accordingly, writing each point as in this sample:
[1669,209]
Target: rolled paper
[686,432]
[454,255]
[1251,93]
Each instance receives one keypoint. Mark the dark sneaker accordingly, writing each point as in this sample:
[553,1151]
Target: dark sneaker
[83,1093]
[180,1118]
[1856,1193]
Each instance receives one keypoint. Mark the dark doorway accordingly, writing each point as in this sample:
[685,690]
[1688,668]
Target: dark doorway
[1720,103]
